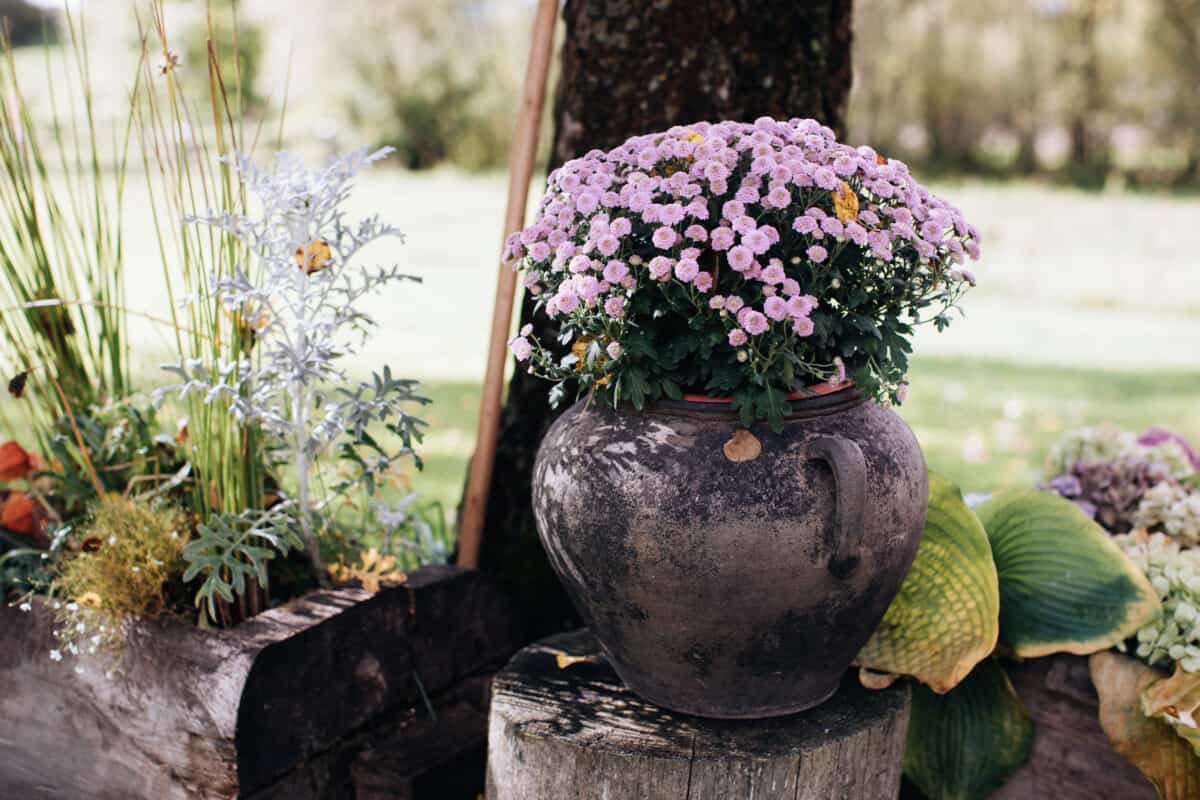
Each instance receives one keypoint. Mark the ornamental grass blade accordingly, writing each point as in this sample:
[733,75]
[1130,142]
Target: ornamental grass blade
[1149,744]
[1065,586]
[966,743]
[1176,701]
[945,619]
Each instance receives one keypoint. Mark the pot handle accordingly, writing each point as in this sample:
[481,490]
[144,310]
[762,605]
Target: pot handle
[849,467]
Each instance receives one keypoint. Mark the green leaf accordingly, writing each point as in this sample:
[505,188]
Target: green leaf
[1064,585]
[946,617]
[964,744]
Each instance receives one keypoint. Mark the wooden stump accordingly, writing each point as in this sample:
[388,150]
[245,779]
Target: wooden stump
[563,725]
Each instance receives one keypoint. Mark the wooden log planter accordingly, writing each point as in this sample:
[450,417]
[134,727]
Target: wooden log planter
[217,714]
[563,725]
[1072,758]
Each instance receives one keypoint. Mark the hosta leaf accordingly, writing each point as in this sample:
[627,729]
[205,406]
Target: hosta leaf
[945,618]
[967,742]
[1065,587]
[1149,744]
[1176,701]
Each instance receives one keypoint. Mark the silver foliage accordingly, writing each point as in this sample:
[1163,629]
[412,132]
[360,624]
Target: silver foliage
[304,310]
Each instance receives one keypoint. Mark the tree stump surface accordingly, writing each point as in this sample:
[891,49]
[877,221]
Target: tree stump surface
[563,725]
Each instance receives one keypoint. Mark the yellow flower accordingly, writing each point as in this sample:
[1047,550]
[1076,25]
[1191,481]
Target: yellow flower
[579,349]
[845,203]
[692,136]
[89,600]
[374,570]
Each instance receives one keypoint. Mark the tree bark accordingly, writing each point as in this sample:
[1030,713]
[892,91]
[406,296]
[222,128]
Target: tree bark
[563,725]
[632,67]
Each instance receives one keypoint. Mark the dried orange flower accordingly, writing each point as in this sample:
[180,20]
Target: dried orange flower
[314,256]
[373,571]
[845,203]
[21,514]
[16,462]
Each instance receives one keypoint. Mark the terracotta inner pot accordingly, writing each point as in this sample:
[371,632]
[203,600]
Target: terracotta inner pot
[726,572]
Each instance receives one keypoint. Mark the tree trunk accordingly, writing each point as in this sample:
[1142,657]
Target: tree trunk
[632,67]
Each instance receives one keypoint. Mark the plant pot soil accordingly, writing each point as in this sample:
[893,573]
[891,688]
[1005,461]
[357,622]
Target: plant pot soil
[731,572]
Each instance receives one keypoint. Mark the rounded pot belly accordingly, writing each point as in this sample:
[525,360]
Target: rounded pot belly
[731,578]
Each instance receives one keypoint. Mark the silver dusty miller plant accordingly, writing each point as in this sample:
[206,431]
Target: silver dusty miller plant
[304,311]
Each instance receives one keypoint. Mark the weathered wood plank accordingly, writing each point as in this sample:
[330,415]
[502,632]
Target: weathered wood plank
[1072,759]
[578,732]
[201,714]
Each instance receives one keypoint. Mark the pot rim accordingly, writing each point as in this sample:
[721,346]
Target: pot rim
[813,390]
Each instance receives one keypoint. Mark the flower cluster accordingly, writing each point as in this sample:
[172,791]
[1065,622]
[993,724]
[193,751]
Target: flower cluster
[1125,481]
[738,259]
[1173,509]
[1175,575]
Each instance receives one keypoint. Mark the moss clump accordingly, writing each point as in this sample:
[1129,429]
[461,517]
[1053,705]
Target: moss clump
[125,559]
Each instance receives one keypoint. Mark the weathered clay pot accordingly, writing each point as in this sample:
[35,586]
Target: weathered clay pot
[730,573]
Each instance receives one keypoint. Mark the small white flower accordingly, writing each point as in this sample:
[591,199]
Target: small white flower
[56,655]
[26,606]
[112,540]
[136,568]
[72,607]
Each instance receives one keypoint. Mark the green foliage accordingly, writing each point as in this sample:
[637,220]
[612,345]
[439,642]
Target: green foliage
[27,24]
[1065,586]
[124,444]
[436,87]
[964,744]
[23,568]
[945,618]
[61,279]
[1062,586]
[368,454]
[232,550]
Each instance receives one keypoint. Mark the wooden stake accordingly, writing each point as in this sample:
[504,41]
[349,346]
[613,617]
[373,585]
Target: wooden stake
[524,150]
